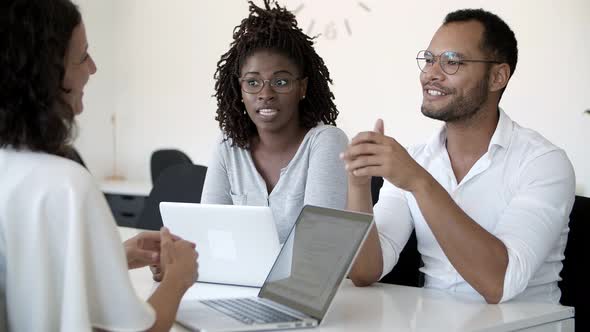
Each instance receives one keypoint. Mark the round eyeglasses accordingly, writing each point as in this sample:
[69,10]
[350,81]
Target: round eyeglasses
[277,84]
[448,61]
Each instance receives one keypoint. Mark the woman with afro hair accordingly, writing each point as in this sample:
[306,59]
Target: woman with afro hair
[279,145]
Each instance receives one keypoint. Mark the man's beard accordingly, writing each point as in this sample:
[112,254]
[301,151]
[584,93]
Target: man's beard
[461,108]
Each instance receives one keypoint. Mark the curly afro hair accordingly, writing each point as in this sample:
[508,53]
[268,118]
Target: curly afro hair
[273,28]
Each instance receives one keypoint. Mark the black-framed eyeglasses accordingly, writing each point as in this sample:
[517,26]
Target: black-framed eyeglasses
[448,61]
[278,84]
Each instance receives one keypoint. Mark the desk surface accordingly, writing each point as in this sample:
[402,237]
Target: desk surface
[384,307]
[126,187]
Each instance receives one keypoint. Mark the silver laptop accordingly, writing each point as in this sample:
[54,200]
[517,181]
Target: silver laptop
[301,284]
[237,245]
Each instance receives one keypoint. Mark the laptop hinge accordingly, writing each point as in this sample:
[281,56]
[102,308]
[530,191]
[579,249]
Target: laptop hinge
[287,309]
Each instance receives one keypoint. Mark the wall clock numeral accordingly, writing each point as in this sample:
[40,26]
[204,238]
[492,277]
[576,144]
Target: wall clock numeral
[330,32]
[313,15]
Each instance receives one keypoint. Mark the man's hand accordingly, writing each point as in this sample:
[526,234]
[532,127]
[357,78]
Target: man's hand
[143,249]
[354,179]
[371,153]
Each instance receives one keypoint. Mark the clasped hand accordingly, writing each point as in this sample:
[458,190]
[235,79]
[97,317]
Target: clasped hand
[158,249]
[371,153]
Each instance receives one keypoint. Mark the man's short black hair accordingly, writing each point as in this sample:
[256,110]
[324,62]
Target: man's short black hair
[498,39]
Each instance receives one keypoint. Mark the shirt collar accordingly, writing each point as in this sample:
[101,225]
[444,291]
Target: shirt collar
[436,143]
[500,138]
[503,133]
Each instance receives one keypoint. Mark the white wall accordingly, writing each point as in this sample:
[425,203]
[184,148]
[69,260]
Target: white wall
[157,58]
[93,140]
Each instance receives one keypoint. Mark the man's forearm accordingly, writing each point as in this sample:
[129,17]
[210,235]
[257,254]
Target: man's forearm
[359,198]
[479,257]
[368,265]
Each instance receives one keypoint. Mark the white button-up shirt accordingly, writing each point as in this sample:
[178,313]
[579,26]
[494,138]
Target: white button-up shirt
[521,191]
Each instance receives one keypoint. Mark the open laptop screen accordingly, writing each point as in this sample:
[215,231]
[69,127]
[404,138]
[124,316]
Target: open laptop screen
[315,259]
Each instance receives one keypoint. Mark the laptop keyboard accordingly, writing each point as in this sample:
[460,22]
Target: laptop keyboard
[249,311]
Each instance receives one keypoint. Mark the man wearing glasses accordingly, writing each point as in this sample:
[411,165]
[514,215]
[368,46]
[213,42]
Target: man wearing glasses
[489,200]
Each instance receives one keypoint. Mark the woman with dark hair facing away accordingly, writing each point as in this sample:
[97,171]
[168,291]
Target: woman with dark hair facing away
[56,231]
[279,146]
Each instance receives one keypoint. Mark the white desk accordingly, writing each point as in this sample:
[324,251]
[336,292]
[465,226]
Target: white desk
[388,308]
[131,188]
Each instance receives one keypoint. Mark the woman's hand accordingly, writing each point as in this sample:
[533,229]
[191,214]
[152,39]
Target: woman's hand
[143,249]
[178,259]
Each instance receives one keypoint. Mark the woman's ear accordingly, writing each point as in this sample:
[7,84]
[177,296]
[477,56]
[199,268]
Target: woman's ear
[303,88]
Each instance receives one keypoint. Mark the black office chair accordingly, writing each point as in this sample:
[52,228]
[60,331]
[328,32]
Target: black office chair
[178,183]
[575,291]
[406,272]
[164,158]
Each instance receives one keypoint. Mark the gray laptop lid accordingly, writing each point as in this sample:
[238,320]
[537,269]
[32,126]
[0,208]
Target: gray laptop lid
[315,259]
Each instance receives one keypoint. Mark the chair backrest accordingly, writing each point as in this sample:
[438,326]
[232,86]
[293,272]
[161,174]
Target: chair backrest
[164,158]
[575,290]
[406,272]
[178,183]
[376,184]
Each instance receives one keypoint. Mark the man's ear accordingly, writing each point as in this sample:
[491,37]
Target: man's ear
[500,74]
